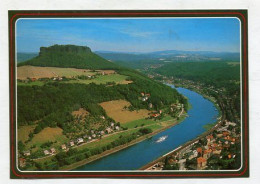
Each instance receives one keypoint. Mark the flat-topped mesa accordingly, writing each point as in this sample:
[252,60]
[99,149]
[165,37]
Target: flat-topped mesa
[64,48]
[69,56]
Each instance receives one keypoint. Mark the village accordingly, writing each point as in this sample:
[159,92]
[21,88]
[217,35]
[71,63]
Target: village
[74,143]
[206,152]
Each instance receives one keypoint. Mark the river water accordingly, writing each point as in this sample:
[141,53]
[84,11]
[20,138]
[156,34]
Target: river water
[202,112]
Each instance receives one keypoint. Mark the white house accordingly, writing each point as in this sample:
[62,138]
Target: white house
[71,143]
[80,140]
[46,152]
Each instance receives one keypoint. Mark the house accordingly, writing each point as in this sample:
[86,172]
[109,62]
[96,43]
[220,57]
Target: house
[201,163]
[225,133]
[63,147]
[117,128]
[80,140]
[102,117]
[150,105]
[46,152]
[207,153]
[195,153]
[160,111]
[89,138]
[144,98]
[155,115]
[199,150]
[112,124]
[142,94]
[219,135]
[94,135]
[216,152]
[22,162]
[182,164]
[27,153]
[71,143]
[108,130]
[53,150]
[209,138]
[102,132]
[230,123]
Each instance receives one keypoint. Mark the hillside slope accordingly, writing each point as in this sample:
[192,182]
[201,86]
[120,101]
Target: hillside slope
[69,56]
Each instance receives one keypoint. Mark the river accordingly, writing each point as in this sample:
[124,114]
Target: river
[134,157]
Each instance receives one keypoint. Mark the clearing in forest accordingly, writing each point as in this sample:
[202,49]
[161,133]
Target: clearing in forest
[49,134]
[116,110]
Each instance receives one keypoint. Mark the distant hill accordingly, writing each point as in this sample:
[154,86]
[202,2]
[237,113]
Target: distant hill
[171,55]
[69,56]
[24,56]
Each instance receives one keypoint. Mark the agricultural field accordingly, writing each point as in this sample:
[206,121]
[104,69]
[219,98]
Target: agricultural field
[23,132]
[103,79]
[116,110]
[101,76]
[165,121]
[24,72]
[48,134]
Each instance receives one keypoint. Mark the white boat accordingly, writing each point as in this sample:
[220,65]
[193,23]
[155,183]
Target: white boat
[161,139]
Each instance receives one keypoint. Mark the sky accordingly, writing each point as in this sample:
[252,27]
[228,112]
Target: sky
[131,35]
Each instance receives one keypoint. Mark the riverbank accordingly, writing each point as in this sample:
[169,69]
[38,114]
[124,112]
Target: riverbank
[180,147]
[183,146]
[119,148]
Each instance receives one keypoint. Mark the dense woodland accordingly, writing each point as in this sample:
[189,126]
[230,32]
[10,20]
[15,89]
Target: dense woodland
[51,104]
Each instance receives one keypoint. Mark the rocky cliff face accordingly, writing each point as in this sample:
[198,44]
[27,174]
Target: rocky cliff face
[64,48]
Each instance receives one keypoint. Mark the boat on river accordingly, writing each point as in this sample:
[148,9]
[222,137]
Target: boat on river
[161,139]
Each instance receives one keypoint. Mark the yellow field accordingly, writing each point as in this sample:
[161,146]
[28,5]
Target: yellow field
[24,72]
[49,134]
[115,109]
[23,132]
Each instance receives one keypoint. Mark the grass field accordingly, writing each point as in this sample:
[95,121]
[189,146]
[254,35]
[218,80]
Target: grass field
[24,72]
[145,122]
[48,134]
[23,132]
[115,109]
[103,79]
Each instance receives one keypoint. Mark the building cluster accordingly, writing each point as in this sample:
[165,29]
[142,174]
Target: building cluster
[145,96]
[91,136]
[196,155]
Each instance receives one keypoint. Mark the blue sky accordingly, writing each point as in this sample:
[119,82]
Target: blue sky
[131,35]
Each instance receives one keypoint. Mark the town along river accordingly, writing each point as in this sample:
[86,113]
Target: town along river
[134,157]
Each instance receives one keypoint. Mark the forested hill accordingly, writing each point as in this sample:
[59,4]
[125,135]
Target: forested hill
[213,72]
[218,79]
[69,56]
